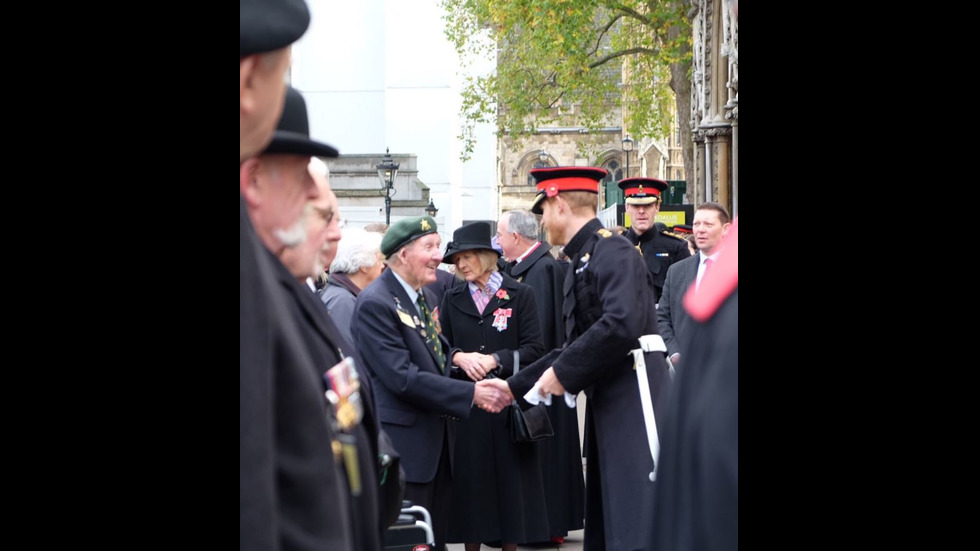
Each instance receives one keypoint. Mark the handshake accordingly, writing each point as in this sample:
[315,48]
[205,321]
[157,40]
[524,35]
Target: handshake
[492,395]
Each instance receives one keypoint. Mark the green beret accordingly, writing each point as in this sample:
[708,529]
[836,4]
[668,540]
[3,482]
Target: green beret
[405,231]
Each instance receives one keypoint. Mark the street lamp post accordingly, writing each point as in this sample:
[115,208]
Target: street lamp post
[431,210]
[386,172]
[627,147]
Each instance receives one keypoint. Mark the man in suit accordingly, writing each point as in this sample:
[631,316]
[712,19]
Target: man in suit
[660,248]
[291,493]
[697,489]
[395,328]
[606,282]
[711,223]
[561,455]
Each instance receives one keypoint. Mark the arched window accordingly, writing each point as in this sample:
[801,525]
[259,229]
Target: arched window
[615,174]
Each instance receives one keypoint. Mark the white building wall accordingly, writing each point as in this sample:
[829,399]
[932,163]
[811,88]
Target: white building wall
[381,73]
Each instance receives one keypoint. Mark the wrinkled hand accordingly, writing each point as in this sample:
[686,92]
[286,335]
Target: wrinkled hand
[475,365]
[550,384]
[490,396]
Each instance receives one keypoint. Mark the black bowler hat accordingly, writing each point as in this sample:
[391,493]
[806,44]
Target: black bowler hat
[472,236]
[553,180]
[293,131]
[268,25]
[642,191]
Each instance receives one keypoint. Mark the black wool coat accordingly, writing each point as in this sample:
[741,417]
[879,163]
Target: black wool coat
[498,492]
[291,492]
[327,348]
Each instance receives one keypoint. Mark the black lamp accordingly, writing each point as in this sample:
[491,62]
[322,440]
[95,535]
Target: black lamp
[386,172]
[627,147]
[431,210]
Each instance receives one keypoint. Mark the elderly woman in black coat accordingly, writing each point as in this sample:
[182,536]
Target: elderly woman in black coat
[491,323]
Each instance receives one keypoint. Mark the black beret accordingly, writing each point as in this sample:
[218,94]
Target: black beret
[405,231]
[268,25]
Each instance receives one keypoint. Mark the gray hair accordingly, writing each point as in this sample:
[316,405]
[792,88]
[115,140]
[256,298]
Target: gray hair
[317,165]
[523,223]
[356,249]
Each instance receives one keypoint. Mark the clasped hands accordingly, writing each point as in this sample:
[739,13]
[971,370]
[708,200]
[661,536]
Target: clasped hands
[475,365]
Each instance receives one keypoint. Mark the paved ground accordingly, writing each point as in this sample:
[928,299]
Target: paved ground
[572,543]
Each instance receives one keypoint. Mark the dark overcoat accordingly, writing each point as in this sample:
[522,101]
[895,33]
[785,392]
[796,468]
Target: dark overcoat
[417,402]
[659,252]
[498,493]
[328,347]
[291,493]
[561,455]
[619,493]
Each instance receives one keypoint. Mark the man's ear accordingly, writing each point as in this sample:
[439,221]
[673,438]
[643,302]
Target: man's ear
[248,183]
[246,70]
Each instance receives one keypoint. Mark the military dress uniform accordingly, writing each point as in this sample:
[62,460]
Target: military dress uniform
[605,283]
[660,248]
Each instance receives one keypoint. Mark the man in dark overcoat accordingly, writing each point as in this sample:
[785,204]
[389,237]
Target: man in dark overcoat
[397,335]
[660,248]
[531,263]
[604,289]
[291,492]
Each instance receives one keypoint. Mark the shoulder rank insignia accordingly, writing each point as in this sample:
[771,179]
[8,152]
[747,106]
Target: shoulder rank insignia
[603,232]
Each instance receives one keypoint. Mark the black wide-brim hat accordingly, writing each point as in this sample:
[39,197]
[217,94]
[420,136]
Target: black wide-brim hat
[293,131]
[472,236]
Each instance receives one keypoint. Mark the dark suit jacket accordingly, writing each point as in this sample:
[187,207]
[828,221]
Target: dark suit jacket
[674,321]
[291,493]
[542,272]
[328,347]
[415,398]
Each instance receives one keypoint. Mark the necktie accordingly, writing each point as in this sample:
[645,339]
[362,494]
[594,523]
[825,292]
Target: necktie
[431,337]
[704,271]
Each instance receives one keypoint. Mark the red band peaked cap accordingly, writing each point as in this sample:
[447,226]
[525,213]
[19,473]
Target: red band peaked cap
[640,191]
[552,181]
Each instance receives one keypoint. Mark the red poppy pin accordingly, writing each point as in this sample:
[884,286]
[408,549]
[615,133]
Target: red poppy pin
[502,294]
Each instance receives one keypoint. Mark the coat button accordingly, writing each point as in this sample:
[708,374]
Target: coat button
[481,322]
[482,347]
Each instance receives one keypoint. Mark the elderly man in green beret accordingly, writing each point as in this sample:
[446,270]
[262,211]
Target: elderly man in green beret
[395,328]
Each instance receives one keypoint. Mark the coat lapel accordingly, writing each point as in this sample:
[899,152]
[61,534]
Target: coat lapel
[397,291]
